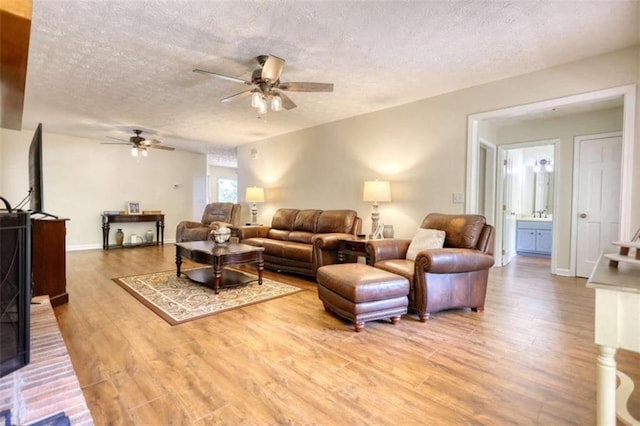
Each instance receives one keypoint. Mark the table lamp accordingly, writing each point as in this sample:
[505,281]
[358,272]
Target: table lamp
[376,191]
[254,194]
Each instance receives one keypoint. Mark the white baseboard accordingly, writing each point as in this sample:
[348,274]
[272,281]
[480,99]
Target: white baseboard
[84,247]
[564,272]
[99,246]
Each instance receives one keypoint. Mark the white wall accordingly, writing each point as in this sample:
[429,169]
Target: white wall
[82,178]
[420,147]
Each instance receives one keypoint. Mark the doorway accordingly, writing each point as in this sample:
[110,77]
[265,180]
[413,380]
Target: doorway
[527,193]
[627,96]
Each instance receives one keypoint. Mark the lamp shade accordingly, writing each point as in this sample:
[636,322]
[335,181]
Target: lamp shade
[376,190]
[254,194]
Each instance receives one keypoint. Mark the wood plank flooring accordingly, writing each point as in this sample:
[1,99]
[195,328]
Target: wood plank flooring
[529,358]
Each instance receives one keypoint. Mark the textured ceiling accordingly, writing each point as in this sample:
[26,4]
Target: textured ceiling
[99,68]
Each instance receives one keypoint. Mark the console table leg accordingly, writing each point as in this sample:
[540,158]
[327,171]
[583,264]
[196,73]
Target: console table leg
[105,236]
[606,386]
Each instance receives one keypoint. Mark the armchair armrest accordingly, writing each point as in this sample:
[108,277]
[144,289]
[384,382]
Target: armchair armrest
[387,249]
[452,260]
[187,224]
[244,232]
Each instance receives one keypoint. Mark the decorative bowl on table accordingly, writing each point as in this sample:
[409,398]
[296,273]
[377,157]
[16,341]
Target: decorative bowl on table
[221,235]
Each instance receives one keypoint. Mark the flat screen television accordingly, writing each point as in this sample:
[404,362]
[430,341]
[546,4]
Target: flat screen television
[36,198]
[35,172]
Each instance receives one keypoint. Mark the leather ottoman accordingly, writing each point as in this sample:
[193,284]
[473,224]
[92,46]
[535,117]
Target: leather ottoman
[360,293]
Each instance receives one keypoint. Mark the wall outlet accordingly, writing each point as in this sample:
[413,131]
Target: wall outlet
[458,198]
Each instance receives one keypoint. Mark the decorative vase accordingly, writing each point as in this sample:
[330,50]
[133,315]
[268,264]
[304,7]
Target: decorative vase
[387,231]
[119,237]
[148,236]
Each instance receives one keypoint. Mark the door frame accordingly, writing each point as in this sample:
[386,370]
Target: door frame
[628,94]
[500,196]
[573,258]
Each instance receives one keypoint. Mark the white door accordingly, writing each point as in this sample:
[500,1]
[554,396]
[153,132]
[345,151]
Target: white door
[508,215]
[598,201]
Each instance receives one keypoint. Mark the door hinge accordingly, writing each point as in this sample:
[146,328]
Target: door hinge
[504,207]
[505,162]
[504,252]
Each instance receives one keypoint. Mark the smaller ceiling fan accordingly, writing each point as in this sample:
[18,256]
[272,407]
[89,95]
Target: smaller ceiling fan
[139,144]
[266,85]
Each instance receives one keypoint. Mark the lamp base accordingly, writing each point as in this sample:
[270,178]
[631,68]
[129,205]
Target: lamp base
[254,214]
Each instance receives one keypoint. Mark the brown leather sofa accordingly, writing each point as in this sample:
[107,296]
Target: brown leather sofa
[214,216]
[301,241]
[454,276]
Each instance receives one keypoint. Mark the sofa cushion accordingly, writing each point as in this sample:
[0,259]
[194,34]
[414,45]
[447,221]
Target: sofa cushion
[306,220]
[301,237]
[278,234]
[425,239]
[284,219]
[463,231]
[274,247]
[336,221]
[298,251]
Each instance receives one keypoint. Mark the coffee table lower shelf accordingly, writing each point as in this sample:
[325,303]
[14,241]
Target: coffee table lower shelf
[230,277]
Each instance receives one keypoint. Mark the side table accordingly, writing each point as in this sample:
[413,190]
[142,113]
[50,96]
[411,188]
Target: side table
[353,248]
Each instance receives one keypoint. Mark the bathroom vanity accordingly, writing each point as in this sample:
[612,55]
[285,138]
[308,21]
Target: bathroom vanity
[534,236]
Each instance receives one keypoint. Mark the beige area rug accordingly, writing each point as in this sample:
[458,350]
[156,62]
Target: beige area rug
[178,299]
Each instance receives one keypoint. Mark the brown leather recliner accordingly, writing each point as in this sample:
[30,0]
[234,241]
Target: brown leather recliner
[454,276]
[215,215]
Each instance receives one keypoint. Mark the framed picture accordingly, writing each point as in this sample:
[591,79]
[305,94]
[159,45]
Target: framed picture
[133,207]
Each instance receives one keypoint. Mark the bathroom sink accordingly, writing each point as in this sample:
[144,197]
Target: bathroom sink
[537,219]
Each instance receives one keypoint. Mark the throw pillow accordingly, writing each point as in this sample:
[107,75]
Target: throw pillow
[423,240]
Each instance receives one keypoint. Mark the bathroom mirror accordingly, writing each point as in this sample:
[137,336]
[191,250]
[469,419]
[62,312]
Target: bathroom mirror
[543,192]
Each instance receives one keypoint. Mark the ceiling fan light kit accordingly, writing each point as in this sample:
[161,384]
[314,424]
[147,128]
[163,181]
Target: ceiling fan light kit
[267,89]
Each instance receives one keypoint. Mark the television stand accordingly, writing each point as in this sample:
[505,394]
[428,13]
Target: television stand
[49,259]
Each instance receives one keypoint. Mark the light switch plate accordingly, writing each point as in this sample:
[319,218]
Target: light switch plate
[458,198]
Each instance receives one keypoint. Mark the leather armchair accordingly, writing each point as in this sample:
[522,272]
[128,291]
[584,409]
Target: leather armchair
[214,216]
[454,276]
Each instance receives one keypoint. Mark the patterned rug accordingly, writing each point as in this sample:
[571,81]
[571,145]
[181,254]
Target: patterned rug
[178,299]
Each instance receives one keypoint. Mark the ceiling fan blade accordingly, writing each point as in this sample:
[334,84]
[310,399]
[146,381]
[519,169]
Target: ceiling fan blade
[222,76]
[237,96]
[117,139]
[272,68]
[306,87]
[115,143]
[287,103]
[166,148]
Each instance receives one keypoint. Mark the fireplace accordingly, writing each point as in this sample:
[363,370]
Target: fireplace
[15,290]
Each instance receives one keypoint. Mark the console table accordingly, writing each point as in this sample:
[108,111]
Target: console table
[108,219]
[617,325]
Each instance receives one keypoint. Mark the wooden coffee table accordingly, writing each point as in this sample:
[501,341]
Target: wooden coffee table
[218,256]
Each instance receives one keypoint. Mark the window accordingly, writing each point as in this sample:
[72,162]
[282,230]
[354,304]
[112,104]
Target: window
[227,190]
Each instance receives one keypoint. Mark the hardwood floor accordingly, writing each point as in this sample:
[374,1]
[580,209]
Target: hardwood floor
[529,358]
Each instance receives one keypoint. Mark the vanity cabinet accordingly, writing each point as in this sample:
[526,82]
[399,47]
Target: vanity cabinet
[534,237]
